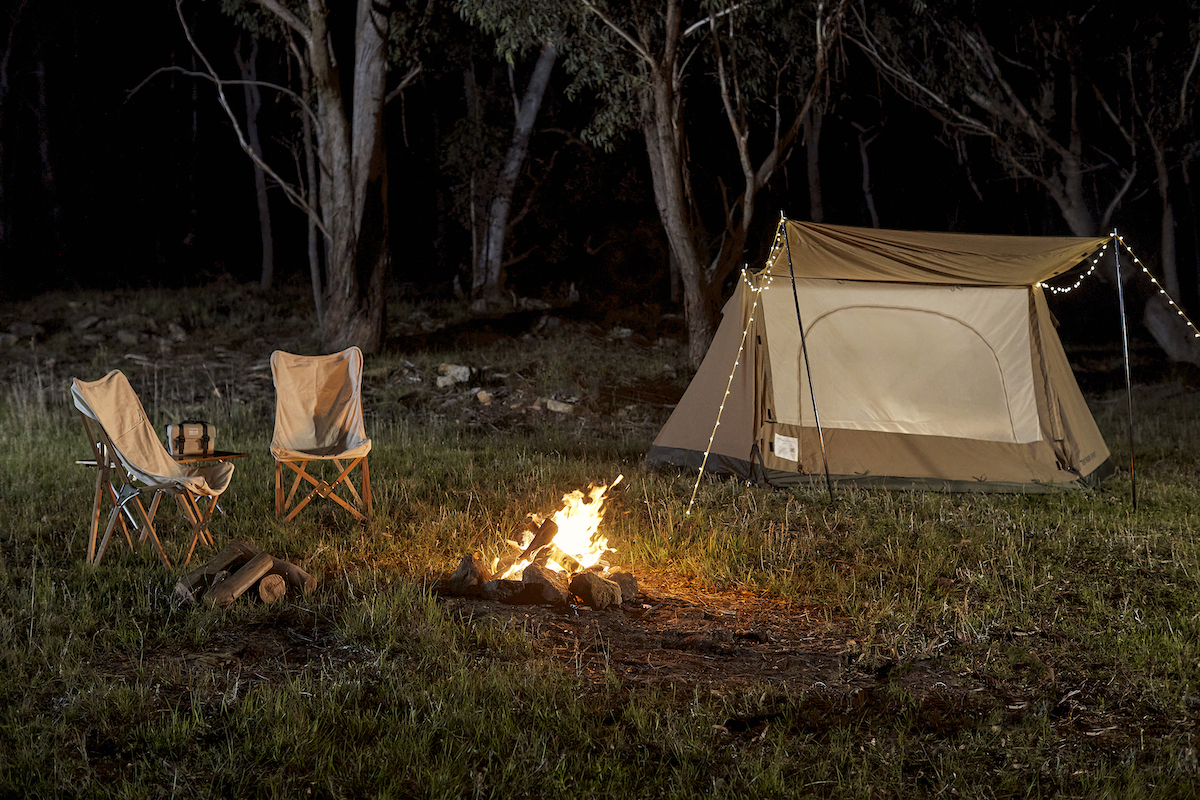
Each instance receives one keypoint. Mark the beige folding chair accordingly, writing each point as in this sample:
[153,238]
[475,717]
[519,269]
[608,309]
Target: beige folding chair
[319,418]
[127,449]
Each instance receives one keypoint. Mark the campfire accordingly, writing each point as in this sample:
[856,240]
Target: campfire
[565,541]
[554,559]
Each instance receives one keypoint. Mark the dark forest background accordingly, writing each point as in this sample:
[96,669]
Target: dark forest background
[104,186]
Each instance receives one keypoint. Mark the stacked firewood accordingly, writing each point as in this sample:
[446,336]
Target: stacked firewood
[538,585]
[235,570]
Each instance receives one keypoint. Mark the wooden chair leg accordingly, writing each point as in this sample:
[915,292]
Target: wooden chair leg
[327,490]
[97,504]
[149,531]
[200,525]
[366,483]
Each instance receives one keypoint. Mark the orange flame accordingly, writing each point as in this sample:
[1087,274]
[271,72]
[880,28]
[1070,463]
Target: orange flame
[577,521]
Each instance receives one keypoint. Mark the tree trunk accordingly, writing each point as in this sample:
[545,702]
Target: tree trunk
[864,142]
[812,148]
[249,69]
[352,154]
[1170,270]
[488,282]
[311,191]
[661,126]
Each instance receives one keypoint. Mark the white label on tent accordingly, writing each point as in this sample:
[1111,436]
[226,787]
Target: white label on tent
[787,447]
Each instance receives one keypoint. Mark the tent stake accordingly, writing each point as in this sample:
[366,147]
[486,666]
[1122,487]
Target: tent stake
[1128,379]
[804,350]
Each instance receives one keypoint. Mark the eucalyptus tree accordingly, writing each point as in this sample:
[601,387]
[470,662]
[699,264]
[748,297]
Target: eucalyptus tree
[759,66]
[1068,98]
[1160,60]
[518,33]
[1024,81]
[734,81]
[345,55]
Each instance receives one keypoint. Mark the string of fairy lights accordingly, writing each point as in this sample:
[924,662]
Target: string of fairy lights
[1149,275]
[758,289]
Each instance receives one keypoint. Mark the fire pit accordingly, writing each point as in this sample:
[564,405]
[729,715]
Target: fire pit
[555,559]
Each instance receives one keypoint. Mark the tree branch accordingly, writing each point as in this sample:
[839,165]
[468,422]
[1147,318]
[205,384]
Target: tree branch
[289,19]
[405,82]
[617,29]
[289,191]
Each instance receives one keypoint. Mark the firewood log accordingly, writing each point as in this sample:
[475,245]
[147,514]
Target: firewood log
[231,557]
[271,587]
[544,536]
[293,575]
[228,590]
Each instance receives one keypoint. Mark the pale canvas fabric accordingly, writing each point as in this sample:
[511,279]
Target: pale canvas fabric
[113,404]
[841,252]
[318,406]
[933,358]
[927,360]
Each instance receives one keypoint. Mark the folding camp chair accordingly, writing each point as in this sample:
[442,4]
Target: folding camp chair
[319,418]
[127,449]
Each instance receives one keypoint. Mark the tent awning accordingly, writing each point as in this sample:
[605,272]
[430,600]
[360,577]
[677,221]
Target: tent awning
[839,252]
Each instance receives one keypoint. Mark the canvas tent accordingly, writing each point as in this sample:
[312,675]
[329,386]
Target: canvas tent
[934,364]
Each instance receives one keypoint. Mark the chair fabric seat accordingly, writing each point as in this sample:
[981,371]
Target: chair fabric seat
[319,418]
[112,402]
[127,449]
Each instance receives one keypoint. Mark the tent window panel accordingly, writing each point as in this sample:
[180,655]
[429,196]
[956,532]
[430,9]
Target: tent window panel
[933,361]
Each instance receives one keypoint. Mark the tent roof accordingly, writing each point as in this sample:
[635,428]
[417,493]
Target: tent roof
[840,252]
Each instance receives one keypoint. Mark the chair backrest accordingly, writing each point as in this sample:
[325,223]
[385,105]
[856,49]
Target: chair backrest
[115,407]
[318,405]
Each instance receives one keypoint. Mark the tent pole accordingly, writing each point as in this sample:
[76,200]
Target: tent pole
[804,350]
[1125,352]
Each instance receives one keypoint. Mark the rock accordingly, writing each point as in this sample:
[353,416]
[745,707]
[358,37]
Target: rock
[85,323]
[444,381]
[8,339]
[618,333]
[457,372]
[470,575]
[628,583]
[127,337]
[595,591]
[557,406]
[541,587]
[177,332]
[502,590]
[484,397]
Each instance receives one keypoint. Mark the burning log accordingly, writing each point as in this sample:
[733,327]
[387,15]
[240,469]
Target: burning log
[542,536]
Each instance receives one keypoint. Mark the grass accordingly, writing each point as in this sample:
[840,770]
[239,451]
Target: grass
[1075,620]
